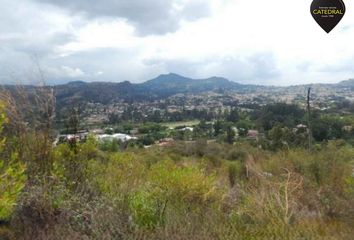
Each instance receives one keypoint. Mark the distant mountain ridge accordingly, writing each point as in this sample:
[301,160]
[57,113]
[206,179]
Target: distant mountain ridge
[172,83]
[348,83]
[163,86]
[160,87]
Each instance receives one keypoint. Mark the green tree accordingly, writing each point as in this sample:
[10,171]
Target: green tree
[286,114]
[230,135]
[233,116]
[217,128]
[328,128]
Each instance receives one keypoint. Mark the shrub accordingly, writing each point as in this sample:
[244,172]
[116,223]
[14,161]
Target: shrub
[13,178]
[182,184]
[121,175]
[237,155]
[148,209]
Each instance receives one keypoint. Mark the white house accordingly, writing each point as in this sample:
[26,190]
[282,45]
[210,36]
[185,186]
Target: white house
[118,136]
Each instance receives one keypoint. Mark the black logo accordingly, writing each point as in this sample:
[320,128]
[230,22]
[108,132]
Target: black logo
[327,13]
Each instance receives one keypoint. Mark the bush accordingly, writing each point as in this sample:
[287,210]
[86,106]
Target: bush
[239,155]
[189,191]
[182,184]
[13,178]
[147,208]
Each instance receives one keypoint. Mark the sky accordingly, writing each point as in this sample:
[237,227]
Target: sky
[273,42]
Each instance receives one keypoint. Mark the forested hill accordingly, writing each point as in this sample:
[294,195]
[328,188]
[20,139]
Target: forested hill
[159,87]
[164,86]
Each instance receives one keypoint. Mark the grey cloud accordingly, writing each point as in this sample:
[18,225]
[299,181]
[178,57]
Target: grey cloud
[40,46]
[31,31]
[257,68]
[148,16]
[117,65]
[28,32]
[180,66]
[264,66]
[345,65]
[304,66]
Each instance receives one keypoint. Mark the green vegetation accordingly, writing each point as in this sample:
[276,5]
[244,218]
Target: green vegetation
[215,181]
[12,178]
[190,190]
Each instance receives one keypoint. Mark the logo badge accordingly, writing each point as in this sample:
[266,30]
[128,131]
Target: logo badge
[327,13]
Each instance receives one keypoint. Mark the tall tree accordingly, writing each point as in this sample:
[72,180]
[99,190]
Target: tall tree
[230,135]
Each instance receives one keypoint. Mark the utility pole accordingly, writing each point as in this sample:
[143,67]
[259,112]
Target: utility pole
[309,118]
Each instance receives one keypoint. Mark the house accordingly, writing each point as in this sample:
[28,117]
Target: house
[301,126]
[348,128]
[252,134]
[187,129]
[118,136]
[70,138]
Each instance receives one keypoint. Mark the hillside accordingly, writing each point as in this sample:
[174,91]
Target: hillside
[173,84]
[159,87]
[167,85]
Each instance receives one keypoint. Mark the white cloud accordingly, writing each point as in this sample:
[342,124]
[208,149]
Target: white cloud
[148,17]
[72,72]
[99,73]
[265,42]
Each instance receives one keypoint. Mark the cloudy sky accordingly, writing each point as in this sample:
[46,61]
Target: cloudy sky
[263,42]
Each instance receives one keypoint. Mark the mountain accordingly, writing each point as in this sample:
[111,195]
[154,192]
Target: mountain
[101,92]
[173,81]
[166,85]
[160,87]
[347,83]
[170,84]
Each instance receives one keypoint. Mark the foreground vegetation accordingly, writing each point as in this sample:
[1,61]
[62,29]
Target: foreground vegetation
[186,191]
[204,185]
